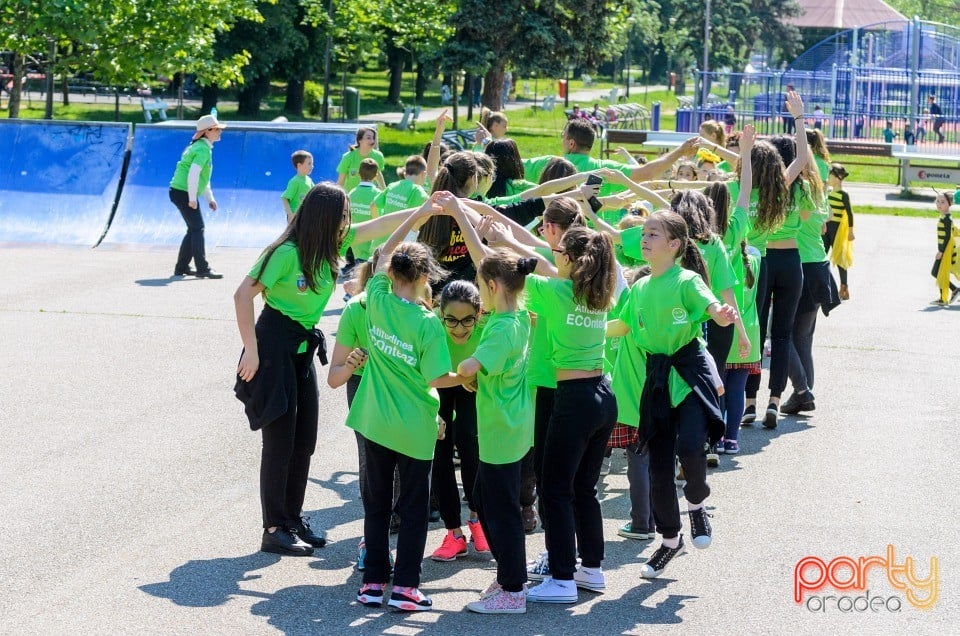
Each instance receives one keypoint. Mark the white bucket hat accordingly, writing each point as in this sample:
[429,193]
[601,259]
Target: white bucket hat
[204,124]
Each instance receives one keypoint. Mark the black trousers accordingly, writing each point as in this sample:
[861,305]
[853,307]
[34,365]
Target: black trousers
[584,414]
[192,245]
[777,300]
[497,494]
[719,342]
[288,444]
[414,507]
[458,408]
[685,438]
[532,465]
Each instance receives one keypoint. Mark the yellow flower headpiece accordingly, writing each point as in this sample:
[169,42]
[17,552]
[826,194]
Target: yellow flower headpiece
[705,155]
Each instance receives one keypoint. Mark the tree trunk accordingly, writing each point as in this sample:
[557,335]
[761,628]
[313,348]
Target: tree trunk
[16,87]
[251,95]
[421,84]
[49,81]
[211,94]
[680,87]
[493,86]
[395,68]
[65,87]
[293,105]
[468,93]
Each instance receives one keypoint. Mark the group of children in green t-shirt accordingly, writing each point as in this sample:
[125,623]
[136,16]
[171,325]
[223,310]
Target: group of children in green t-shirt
[518,356]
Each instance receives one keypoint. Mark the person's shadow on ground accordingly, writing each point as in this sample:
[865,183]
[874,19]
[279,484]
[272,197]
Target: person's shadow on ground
[211,582]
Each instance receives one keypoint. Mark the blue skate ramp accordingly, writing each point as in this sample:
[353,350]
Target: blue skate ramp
[251,167]
[58,180]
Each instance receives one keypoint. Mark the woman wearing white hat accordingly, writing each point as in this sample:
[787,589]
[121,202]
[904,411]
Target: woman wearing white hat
[192,177]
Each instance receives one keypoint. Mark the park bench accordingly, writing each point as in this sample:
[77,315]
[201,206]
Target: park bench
[549,102]
[652,142]
[459,139]
[863,149]
[149,106]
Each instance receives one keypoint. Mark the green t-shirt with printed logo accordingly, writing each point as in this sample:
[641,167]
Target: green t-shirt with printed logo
[664,313]
[400,195]
[297,188]
[352,330]
[395,406]
[747,301]
[577,334]
[505,404]
[286,287]
[350,166]
[360,199]
[199,152]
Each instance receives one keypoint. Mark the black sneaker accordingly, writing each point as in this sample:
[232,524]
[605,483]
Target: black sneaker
[303,531]
[284,542]
[700,530]
[184,272]
[799,402]
[434,515]
[749,416]
[657,563]
[208,273]
[773,414]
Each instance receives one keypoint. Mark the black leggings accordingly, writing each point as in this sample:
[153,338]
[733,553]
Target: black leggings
[532,463]
[828,239]
[778,293]
[458,408]
[288,444]
[498,502]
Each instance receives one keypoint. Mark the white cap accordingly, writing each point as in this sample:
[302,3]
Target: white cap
[205,123]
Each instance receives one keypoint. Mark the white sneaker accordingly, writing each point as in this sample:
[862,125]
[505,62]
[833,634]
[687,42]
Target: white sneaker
[539,568]
[595,582]
[553,591]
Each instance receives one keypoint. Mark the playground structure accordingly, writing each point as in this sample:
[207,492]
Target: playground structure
[854,84]
[87,183]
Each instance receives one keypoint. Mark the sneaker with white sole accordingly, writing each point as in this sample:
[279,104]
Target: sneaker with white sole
[477,537]
[700,529]
[451,548]
[657,563]
[371,594]
[713,459]
[409,599]
[500,602]
[627,532]
[594,581]
[553,591]
[773,414]
[539,568]
[749,415]
[731,447]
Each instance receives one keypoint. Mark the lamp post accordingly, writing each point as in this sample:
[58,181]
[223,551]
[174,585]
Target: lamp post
[630,21]
[706,55]
[566,95]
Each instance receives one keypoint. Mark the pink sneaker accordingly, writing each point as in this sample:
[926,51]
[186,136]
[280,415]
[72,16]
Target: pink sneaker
[476,535]
[451,548]
[502,602]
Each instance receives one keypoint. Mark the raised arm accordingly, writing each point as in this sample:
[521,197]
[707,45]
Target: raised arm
[425,211]
[725,153]
[519,232]
[641,191]
[795,106]
[498,235]
[655,168]
[433,157]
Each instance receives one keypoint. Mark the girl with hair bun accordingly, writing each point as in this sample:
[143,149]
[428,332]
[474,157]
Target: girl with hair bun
[679,405]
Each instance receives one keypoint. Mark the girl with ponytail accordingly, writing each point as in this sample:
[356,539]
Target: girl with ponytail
[504,408]
[679,405]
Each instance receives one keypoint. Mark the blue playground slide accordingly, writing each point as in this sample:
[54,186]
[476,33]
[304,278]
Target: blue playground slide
[58,180]
[251,167]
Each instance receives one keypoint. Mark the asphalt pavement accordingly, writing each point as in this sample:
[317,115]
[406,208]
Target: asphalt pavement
[130,498]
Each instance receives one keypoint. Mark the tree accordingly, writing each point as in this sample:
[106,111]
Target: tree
[933,10]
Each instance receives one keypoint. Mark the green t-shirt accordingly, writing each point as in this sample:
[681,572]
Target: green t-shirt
[724,166]
[533,168]
[754,236]
[664,313]
[737,227]
[747,301]
[297,188]
[576,333]
[810,238]
[802,202]
[199,152]
[611,347]
[718,265]
[361,198]
[629,373]
[823,168]
[352,330]
[286,287]
[350,166]
[540,369]
[505,404]
[515,188]
[400,195]
[395,406]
